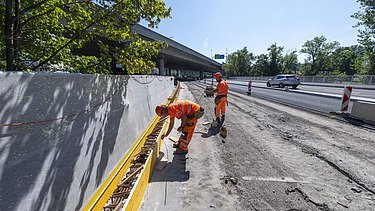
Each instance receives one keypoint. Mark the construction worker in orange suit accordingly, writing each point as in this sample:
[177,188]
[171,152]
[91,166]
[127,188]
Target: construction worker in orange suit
[221,98]
[189,113]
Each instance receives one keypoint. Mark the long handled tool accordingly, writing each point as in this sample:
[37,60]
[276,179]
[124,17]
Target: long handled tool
[200,98]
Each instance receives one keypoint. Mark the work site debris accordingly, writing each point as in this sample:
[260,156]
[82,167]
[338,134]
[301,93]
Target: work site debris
[223,132]
[232,179]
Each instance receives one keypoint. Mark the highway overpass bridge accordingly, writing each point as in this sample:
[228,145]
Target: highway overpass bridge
[177,56]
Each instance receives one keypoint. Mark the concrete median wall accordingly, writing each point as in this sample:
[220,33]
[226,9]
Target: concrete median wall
[67,132]
[364,111]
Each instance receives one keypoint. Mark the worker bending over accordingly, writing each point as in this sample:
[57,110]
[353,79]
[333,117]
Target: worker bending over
[221,98]
[189,113]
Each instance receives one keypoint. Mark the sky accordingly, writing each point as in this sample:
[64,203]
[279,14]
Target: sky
[225,26]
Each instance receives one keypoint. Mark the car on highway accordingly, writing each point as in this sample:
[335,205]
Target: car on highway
[284,80]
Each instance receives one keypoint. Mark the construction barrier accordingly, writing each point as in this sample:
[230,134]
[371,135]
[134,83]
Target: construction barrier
[364,111]
[249,88]
[346,98]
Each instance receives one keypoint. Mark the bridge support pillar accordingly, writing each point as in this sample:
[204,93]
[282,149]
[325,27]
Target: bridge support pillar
[201,74]
[161,67]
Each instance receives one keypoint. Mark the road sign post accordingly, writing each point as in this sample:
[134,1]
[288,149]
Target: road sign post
[346,98]
[249,88]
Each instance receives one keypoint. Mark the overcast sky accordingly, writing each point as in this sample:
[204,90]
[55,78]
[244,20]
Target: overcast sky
[224,26]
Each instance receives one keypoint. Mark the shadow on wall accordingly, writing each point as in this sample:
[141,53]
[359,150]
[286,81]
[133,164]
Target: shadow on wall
[57,164]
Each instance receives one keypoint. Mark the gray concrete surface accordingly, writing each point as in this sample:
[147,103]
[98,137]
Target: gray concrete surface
[288,159]
[364,111]
[191,182]
[57,165]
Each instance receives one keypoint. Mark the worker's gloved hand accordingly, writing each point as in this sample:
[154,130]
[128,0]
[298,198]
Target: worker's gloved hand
[180,129]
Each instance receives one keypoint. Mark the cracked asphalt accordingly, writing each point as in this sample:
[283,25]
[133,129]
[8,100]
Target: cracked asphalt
[287,159]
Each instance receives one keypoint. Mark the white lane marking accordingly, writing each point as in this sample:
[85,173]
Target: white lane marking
[273,179]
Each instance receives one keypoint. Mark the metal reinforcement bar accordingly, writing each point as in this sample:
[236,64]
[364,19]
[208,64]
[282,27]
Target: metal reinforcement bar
[124,187]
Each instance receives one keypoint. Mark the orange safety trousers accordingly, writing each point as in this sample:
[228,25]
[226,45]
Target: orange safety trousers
[220,107]
[187,133]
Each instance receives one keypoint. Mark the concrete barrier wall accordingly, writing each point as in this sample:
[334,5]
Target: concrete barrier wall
[364,111]
[57,165]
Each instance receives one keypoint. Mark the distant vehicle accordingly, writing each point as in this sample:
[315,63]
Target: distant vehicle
[154,71]
[284,80]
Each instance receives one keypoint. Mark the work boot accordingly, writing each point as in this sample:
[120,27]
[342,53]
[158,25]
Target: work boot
[180,152]
[218,121]
[222,119]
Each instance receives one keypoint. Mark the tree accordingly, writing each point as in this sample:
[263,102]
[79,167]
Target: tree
[50,32]
[239,62]
[343,59]
[318,50]
[366,37]
[261,66]
[290,62]
[275,59]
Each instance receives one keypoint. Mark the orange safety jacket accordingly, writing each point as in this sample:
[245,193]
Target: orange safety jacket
[180,107]
[222,88]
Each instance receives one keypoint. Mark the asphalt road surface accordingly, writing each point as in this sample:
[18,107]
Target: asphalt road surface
[313,102]
[288,159]
[364,93]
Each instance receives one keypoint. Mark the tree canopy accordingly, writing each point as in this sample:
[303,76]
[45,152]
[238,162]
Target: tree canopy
[239,62]
[366,37]
[318,51]
[52,33]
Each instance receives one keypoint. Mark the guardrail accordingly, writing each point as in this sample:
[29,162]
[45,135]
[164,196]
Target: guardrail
[353,79]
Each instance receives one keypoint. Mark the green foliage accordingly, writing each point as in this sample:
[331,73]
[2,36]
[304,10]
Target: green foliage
[53,33]
[342,60]
[318,51]
[290,63]
[138,56]
[239,63]
[261,66]
[306,68]
[366,37]
[275,59]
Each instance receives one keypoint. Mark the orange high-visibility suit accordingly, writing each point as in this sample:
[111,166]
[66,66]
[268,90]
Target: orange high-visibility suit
[221,98]
[188,108]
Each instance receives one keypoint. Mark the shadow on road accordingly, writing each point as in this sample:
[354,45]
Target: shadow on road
[212,131]
[174,171]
